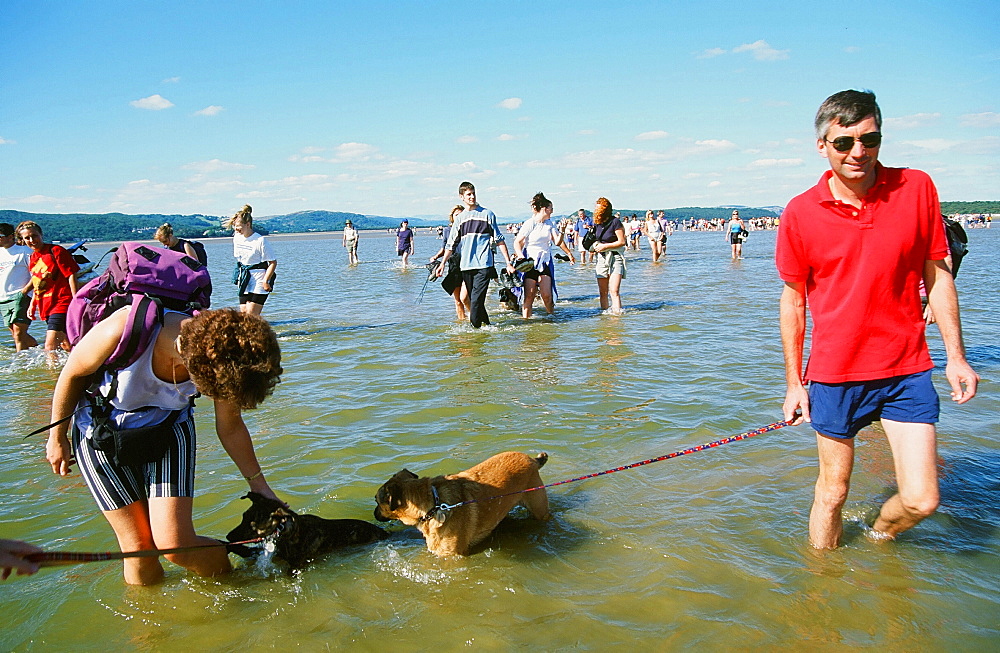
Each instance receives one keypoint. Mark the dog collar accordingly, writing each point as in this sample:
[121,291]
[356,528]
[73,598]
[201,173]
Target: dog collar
[436,511]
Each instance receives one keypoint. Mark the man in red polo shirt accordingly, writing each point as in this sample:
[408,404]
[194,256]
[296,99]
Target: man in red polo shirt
[857,245]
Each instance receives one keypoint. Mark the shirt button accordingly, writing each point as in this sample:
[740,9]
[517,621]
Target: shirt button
[855,214]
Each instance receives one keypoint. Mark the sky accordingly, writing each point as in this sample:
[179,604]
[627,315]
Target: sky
[383,108]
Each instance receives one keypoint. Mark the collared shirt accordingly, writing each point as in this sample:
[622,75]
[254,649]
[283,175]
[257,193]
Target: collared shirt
[862,269]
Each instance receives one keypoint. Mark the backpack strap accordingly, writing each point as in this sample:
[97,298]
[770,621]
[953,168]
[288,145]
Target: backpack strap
[143,314]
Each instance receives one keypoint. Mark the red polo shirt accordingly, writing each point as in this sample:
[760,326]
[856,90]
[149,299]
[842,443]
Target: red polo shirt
[862,269]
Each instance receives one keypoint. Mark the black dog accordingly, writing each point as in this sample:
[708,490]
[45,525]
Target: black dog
[301,538]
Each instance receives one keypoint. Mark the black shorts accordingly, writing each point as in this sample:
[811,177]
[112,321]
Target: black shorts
[252,297]
[535,274]
[56,322]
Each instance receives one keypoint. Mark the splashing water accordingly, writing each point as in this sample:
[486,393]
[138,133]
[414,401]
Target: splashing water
[265,565]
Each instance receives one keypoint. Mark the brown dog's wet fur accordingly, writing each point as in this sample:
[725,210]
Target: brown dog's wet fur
[409,498]
[302,538]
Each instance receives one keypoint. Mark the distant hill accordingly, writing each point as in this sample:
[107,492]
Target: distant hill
[967,208]
[66,227]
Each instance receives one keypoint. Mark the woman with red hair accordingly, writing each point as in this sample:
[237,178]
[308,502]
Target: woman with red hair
[609,248]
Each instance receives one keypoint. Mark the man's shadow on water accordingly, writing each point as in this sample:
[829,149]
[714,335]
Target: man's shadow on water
[967,520]
[332,329]
[565,314]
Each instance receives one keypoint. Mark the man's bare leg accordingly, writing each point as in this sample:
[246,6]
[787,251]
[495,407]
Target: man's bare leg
[914,453]
[836,461]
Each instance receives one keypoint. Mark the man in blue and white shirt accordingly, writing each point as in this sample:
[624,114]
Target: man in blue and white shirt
[475,232]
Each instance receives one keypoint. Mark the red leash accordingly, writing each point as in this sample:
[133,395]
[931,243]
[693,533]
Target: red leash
[445,508]
[53,558]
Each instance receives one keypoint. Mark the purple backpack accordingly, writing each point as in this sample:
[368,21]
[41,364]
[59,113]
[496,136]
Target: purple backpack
[148,279]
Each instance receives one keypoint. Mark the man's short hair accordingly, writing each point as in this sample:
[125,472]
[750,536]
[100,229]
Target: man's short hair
[846,108]
[464,186]
[6,229]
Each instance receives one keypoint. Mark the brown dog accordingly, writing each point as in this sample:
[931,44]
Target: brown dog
[416,501]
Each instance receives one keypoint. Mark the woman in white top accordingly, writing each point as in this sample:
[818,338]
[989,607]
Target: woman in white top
[351,238]
[654,232]
[534,241]
[255,262]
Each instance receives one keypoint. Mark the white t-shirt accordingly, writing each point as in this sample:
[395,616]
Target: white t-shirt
[538,238]
[14,272]
[250,251]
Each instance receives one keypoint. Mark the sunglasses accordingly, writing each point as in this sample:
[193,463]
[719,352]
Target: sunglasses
[870,141]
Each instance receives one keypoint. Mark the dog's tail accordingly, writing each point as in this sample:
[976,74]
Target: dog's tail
[541,459]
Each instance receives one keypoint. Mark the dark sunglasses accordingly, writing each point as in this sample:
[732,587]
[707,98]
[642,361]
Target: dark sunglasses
[871,140]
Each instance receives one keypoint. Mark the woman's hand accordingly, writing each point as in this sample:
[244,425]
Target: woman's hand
[59,454]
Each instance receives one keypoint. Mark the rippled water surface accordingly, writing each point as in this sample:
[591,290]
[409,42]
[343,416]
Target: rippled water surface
[707,550]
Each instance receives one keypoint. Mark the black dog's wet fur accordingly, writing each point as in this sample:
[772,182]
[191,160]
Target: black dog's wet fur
[302,537]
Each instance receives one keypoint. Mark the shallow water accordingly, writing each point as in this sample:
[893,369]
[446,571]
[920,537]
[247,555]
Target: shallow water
[707,550]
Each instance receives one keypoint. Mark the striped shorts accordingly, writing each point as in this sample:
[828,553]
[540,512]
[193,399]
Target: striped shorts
[115,487]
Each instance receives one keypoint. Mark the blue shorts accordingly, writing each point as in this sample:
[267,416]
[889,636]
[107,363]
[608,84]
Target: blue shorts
[840,410]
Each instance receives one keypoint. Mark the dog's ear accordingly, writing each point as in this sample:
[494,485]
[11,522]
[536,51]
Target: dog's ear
[405,475]
[393,493]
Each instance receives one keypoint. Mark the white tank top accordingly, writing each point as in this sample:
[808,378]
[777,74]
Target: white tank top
[141,398]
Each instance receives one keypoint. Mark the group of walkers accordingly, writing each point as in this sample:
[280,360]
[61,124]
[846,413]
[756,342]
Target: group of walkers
[466,261]
[839,245]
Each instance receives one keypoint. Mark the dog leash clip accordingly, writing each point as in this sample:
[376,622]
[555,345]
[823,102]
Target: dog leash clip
[441,512]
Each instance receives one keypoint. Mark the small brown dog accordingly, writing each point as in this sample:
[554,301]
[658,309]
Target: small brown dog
[416,501]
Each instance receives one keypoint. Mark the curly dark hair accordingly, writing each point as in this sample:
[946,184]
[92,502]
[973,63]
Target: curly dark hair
[231,356]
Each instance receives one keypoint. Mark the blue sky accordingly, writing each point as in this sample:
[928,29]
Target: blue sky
[385,107]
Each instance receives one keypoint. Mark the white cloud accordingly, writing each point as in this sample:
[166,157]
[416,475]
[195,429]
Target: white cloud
[511,103]
[651,136]
[38,199]
[933,144]
[506,137]
[913,121]
[171,80]
[716,144]
[762,51]
[312,149]
[152,103]
[466,139]
[355,151]
[987,119]
[212,110]
[4,141]
[216,165]
[587,132]
[712,52]
[714,184]
[776,163]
